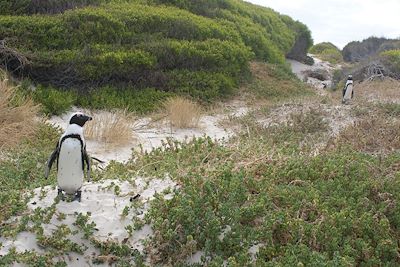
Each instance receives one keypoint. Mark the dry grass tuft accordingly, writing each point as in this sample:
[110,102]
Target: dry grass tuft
[182,112]
[17,121]
[110,128]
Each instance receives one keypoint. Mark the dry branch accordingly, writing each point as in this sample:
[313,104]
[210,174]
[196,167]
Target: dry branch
[11,60]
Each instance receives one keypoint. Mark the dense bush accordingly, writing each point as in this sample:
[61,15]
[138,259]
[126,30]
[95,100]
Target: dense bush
[303,41]
[391,59]
[111,24]
[321,47]
[54,101]
[269,34]
[328,52]
[206,86]
[211,55]
[139,101]
[19,7]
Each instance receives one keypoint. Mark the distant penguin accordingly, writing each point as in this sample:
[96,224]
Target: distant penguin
[71,158]
[348,92]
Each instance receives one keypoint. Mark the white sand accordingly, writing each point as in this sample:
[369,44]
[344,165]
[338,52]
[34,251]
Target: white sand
[106,209]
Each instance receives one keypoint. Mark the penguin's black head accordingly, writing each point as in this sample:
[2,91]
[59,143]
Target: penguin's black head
[79,119]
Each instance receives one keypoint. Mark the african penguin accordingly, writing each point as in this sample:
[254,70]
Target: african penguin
[348,92]
[71,158]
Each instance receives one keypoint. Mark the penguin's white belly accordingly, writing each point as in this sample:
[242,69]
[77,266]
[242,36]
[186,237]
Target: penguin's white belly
[348,93]
[70,171]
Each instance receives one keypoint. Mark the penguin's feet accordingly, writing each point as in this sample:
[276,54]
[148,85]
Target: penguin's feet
[60,194]
[78,195]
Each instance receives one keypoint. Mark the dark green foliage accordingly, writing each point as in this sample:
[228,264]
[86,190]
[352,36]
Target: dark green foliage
[20,7]
[144,44]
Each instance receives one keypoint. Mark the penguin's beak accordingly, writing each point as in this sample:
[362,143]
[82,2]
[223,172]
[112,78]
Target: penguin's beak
[88,118]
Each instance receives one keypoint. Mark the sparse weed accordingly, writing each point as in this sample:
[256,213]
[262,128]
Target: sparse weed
[82,221]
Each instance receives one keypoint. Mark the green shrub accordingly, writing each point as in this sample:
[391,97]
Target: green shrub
[261,45]
[392,59]
[140,101]
[202,85]
[16,7]
[269,23]
[53,101]
[115,64]
[328,52]
[211,55]
[319,48]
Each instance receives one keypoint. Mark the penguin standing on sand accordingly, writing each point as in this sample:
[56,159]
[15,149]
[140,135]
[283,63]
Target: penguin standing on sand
[71,158]
[348,92]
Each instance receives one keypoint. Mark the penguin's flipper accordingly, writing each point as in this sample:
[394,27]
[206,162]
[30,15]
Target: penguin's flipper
[86,158]
[50,162]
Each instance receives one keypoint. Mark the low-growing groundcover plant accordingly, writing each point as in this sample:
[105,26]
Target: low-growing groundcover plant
[335,209]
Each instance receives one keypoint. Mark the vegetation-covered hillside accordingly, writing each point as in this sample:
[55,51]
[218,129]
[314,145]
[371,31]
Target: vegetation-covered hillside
[160,47]
[372,46]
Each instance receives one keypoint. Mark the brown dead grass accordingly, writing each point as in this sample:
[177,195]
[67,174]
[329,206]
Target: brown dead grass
[110,128]
[16,121]
[182,112]
[386,90]
[372,135]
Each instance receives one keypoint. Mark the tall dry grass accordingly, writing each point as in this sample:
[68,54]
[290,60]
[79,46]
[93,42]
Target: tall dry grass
[110,128]
[386,90]
[182,112]
[17,120]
